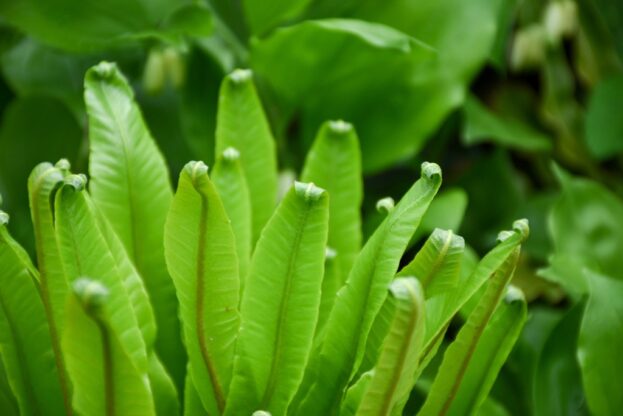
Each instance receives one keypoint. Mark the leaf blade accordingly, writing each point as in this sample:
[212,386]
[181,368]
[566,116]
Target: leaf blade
[130,185]
[201,257]
[279,308]
[242,124]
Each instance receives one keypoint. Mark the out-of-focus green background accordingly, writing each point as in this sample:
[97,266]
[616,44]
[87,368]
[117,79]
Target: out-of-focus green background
[520,102]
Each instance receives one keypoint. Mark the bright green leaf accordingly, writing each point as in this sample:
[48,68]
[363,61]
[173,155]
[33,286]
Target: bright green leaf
[458,357]
[492,350]
[106,381]
[85,252]
[200,250]
[25,344]
[437,264]
[392,376]
[334,163]
[280,304]
[232,187]
[130,185]
[242,124]
[360,299]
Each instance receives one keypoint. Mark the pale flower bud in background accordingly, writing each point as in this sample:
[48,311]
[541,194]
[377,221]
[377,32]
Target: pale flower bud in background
[560,20]
[529,48]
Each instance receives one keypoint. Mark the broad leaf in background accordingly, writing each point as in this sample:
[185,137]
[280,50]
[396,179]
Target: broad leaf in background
[393,376]
[279,308]
[600,344]
[25,344]
[200,249]
[105,379]
[557,387]
[483,125]
[325,76]
[334,164]
[32,68]
[91,25]
[337,359]
[603,128]
[463,33]
[130,185]
[586,225]
[242,124]
[264,15]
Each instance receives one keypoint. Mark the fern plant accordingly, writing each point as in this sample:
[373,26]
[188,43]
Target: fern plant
[215,299]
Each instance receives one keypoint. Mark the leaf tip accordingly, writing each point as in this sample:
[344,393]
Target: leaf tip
[514,294]
[431,171]
[240,76]
[308,191]
[78,182]
[196,169]
[385,205]
[4,218]
[261,413]
[63,165]
[522,227]
[91,293]
[340,127]
[104,70]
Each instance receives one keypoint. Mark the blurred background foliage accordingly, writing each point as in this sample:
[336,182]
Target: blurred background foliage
[519,101]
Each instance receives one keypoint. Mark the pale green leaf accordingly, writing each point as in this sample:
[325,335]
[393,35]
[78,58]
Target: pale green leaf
[393,375]
[491,352]
[192,402]
[334,163]
[163,390]
[130,185]
[459,355]
[280,304]
[438,263]
[354,395]
[242,124]
[200,250]
[232,187]
[105,380]
[332,281]
[85,252]
[441,309]
[333,363]
[25,343]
